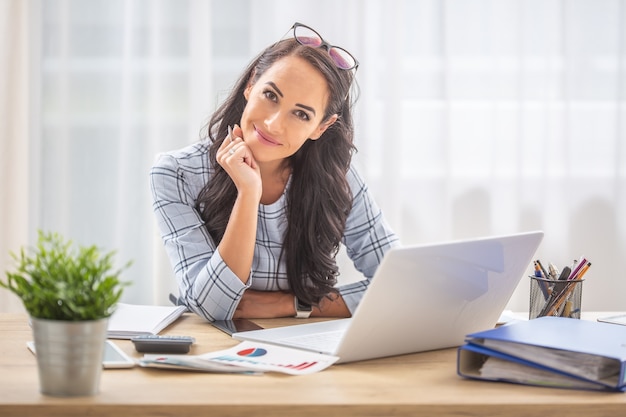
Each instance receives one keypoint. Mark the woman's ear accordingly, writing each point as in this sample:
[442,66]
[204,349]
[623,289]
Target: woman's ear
[249,85]
[323,126]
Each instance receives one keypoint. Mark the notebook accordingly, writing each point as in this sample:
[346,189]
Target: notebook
[130,320]
[422,297]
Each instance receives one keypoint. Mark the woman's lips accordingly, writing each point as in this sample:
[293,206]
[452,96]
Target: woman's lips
[266,140]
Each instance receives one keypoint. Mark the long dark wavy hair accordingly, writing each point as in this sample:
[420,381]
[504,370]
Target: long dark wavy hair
[318,198]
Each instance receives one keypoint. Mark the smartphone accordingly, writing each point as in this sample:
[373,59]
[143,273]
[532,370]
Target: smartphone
[114,357]
[235,326]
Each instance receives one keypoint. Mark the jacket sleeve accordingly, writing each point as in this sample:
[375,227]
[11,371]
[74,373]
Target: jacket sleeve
[206,285]
[367,238]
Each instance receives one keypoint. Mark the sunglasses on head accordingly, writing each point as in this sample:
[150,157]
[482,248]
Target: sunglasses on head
[304,35]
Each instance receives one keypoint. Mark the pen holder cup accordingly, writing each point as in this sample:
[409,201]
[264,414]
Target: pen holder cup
[550,297]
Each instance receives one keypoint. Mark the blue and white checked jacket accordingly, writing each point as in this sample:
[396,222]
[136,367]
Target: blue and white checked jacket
[207,286]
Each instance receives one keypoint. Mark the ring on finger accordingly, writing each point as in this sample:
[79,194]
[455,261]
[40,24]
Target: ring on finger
[232,151]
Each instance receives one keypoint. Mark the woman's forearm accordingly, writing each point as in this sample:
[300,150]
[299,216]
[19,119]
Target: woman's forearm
[272,304]
[237,244]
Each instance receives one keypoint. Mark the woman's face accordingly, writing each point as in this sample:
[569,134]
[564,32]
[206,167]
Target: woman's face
[285,108]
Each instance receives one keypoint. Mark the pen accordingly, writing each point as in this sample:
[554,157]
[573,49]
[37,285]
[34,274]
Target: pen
[543,270]
[543,285]
[582,271]
[554,272]
[581,263]
[563,277]
[567,312]
[562,282]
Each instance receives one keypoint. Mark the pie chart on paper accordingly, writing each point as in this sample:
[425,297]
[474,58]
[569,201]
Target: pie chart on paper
[252,352]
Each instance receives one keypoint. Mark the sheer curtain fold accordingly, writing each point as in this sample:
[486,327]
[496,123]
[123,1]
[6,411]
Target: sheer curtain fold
[509,121]
[14,143]
[475,118]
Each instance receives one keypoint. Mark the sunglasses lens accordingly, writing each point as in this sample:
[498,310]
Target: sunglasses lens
[342,58]
[307,37]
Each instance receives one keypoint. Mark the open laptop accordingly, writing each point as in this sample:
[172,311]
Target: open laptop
[421,298]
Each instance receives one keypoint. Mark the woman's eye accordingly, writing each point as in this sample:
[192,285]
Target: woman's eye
[302,115]
[270,95]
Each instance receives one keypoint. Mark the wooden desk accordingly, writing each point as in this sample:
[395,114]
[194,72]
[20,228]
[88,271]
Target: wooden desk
[418,384]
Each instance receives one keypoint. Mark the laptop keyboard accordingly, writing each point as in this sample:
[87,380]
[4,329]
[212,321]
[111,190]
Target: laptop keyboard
[321,342]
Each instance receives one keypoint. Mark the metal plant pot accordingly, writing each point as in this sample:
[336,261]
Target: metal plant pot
[69,355]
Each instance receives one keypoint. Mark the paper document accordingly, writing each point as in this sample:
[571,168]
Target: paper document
[500,369]
[246,357]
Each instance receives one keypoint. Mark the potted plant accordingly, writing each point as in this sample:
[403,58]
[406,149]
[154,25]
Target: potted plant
[69,292]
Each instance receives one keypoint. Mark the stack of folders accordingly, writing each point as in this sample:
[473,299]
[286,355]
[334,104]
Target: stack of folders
[548,351]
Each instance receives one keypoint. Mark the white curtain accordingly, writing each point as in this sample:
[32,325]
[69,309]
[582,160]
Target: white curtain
[476,117]
[14,130]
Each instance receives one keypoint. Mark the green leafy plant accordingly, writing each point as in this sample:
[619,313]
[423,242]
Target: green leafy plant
[57,280]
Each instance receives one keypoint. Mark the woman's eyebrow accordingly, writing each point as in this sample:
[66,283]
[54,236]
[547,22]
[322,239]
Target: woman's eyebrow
[311,109]
[280,93]
[275,87]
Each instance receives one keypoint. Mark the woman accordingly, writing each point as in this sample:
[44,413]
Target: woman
[252,218]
